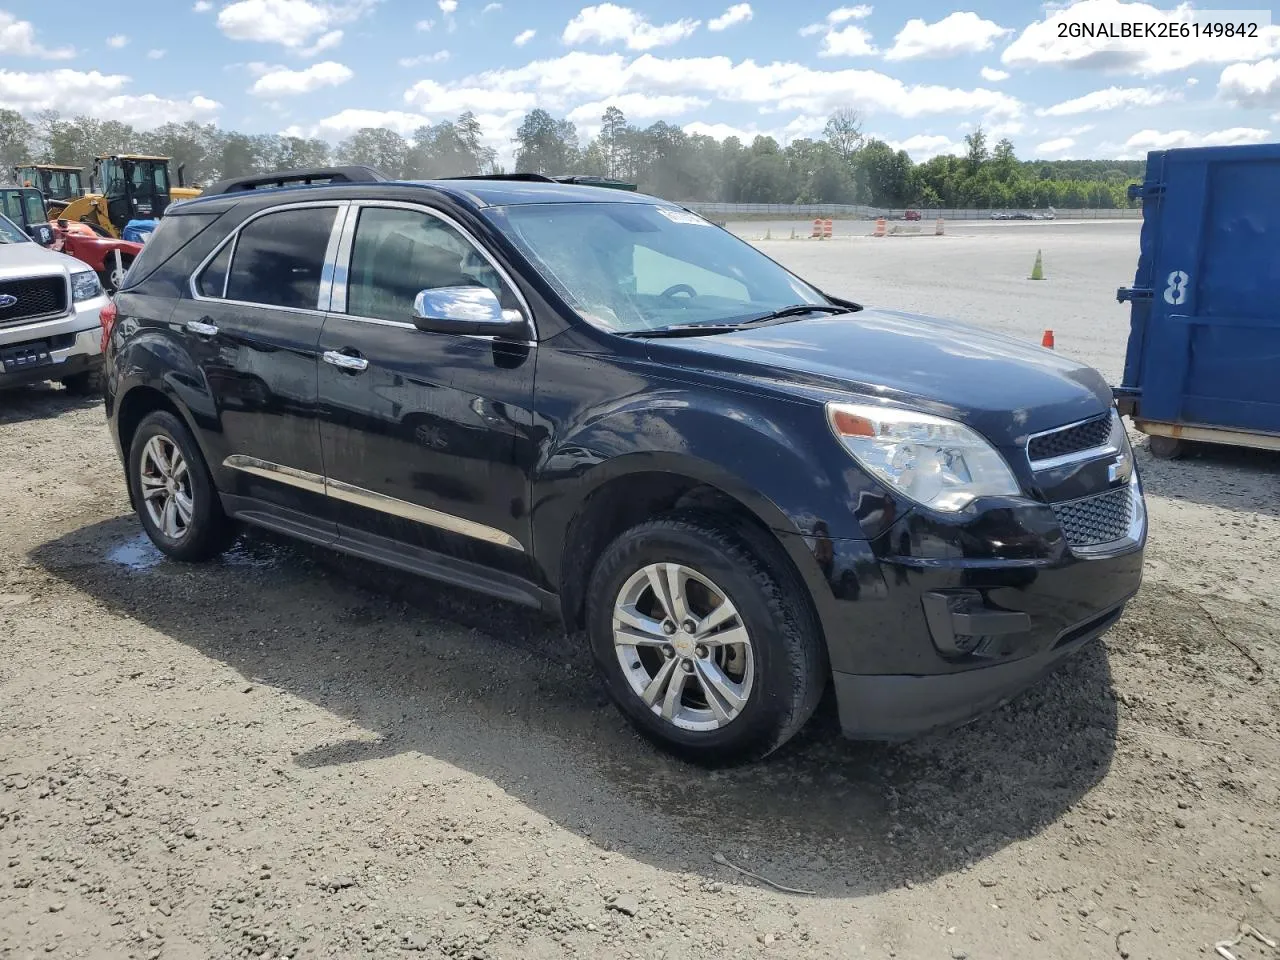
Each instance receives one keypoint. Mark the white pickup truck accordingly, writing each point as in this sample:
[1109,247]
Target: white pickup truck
[49,305]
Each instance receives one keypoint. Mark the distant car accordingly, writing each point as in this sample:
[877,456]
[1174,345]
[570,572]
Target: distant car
[1000,215]
[1020,215]
[911,215]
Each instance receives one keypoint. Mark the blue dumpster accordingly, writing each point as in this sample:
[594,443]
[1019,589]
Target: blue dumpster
[1203,361]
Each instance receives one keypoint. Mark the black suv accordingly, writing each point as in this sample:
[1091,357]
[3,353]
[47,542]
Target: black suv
[740,489]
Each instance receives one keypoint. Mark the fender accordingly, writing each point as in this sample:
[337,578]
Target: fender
[79,241]
[778,460]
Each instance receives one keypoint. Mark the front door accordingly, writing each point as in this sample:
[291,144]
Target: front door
[422,432]
[253,327]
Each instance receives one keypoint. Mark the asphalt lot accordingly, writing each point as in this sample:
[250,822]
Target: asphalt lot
[289,754]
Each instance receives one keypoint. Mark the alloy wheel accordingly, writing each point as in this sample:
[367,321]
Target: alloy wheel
[166,487]
[683,647]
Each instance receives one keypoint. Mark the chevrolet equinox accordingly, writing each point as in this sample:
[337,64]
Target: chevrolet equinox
[736,488]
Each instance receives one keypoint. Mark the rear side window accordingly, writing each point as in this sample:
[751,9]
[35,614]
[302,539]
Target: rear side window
[171,234]
[279,258]
[213,279]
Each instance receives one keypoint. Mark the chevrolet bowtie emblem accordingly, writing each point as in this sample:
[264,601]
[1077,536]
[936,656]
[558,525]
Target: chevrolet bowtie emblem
[1119,470]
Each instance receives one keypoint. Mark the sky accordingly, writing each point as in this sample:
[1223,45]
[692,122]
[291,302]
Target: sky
[921,75]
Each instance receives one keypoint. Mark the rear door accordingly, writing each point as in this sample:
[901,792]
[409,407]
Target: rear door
[424,434]
[253,325]
[1208,346]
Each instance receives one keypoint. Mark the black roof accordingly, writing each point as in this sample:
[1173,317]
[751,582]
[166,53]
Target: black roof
[474,192]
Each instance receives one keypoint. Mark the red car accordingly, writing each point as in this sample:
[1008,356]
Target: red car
[81,241]
[911,215]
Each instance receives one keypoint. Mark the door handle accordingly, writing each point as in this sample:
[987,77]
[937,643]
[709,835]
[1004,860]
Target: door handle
[344,361]
[201,328]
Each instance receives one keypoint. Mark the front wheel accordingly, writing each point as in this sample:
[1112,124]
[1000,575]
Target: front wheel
[175,496]
[699,644]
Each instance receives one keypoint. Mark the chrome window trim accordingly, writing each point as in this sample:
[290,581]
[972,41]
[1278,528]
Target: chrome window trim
[233,238]
[350,493]
[1092,453]
[347,248]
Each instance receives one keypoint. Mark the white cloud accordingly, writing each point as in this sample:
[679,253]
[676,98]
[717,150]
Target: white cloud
[1080,130]
[1111,98]
[738,13]
[1145,140]
[1252,84]
[327,40]
[202,6]
[523,37]
[992,75]
[156,54]
[608,23]
[117,41]
[1192,81]
[440,56]
[1009,129]
[295,24]
[577,77]
[845,14]
[923,147]
[447,7]
[851,41]
[956,33]
[424,25]
[97,95]
[723,131]
[18,39]
[636,106]
[1055,146]
[289,83]
[491,8]
[434,98]
[1040,43]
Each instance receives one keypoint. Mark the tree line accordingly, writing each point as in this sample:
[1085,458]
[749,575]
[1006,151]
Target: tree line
[840,166]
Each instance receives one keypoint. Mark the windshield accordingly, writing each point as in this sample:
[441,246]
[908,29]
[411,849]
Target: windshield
[63,184]
[631,267]
[10,233]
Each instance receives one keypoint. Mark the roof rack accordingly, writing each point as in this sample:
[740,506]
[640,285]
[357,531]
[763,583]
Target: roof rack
[525,177]
[295,178]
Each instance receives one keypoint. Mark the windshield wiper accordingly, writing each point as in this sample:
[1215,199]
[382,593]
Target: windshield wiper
[709,329]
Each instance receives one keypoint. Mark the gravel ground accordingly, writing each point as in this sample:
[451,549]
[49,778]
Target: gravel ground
[290,754]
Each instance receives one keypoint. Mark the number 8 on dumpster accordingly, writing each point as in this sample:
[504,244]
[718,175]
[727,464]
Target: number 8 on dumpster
[1176,292]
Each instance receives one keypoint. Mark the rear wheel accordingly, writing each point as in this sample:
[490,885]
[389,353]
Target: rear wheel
[699,643]
[111,276]
[173,491]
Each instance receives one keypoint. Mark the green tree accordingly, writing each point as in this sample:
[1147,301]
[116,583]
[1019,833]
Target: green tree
[384,150]
[545,145]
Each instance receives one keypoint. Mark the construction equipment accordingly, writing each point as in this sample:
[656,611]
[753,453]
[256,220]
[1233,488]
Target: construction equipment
[124,188]
[109,257]
[60,184]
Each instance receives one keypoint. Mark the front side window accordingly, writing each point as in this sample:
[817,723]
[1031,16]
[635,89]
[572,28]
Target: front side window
[398,253]
[35,207]
[279,258]
[632,267]
[112,175]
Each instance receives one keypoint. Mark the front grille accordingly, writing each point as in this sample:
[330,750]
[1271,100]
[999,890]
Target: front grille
[34,297]
[1098,519]
[1068,440]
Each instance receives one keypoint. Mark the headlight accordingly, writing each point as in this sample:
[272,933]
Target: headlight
[85,286]
[936,462]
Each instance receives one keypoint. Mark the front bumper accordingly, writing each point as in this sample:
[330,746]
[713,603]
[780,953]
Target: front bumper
[71,343]
[940,620]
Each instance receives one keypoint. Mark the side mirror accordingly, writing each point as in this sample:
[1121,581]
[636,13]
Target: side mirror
[42,234]
[472,311]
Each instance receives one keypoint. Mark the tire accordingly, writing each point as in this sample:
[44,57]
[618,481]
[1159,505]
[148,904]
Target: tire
[1166,448]
[199,532]
[88,383]
[107,277]
[779,680]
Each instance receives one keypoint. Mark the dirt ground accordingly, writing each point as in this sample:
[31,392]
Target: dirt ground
[289,754]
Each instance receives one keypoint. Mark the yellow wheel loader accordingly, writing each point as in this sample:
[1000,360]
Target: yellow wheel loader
[125,188]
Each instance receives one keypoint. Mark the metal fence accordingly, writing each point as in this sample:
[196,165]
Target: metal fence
[857,211]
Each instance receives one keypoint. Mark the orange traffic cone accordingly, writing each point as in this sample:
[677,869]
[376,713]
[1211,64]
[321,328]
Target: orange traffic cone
[1047,340]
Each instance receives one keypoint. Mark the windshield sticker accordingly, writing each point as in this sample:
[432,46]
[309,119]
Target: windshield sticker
[683,216]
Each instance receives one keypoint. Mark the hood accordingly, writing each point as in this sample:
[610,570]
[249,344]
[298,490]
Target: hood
[1004,388]
[32,260]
